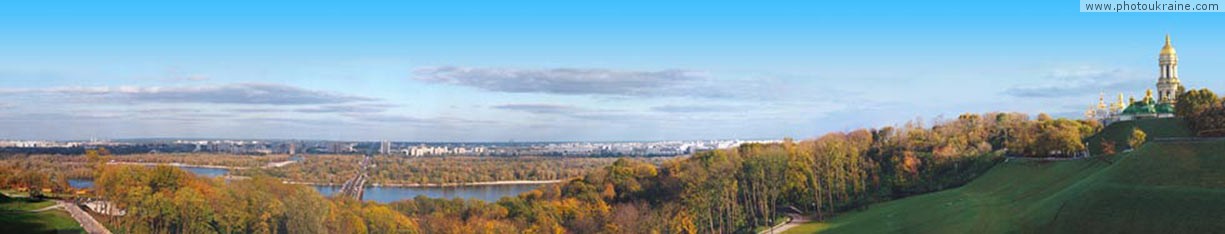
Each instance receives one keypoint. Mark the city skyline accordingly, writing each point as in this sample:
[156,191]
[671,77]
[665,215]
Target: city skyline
[560,71]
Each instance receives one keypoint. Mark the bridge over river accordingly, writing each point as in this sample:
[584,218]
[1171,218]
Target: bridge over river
[356,187]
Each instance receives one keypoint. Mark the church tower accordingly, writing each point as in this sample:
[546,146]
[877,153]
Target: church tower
[1167,82]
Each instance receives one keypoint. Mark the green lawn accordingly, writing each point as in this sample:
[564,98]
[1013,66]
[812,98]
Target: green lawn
[1159,188]
[51,221]
[15,218]
[22,204]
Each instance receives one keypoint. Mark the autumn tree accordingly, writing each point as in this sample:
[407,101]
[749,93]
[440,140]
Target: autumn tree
[1193,102]
[35,181]
[1137,138]
[1107,147]
[1059,137]
[97,158]
[1043,117]
[382,220]
[731,190]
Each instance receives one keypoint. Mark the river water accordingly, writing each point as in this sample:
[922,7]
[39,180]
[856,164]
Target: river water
[489,193]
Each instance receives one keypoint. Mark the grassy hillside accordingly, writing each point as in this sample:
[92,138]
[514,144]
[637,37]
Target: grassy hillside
[1120,132]
[51,221]
[16,218]
[1160,188]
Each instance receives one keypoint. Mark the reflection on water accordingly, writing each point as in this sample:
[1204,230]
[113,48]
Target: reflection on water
[206,172]
[489,193]
[80,183]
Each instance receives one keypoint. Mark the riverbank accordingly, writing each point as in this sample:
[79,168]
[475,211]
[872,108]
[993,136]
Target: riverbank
[177,165]
[269,165]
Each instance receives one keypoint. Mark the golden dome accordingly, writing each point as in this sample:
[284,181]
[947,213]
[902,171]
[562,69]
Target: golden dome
[1168,48]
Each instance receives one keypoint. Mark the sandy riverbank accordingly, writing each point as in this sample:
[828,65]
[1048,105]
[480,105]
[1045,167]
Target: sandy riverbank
[269,165]
[176,165]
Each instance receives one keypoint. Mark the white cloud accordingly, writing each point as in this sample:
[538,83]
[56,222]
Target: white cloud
[541,108]
[1082,81]
[574,81]
[347,108]
[243,93]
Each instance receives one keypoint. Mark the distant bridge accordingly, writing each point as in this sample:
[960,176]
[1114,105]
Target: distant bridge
[356,187]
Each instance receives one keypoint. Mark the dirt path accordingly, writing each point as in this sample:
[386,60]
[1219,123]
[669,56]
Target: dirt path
[91,226]
[796,220]
[56,206]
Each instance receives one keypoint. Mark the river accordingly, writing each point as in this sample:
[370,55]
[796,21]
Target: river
[206,172]
[489,193]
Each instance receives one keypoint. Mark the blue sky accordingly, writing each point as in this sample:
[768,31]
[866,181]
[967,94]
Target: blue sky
[566,70]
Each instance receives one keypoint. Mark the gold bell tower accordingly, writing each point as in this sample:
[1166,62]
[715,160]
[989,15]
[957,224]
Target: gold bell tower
[1167,82]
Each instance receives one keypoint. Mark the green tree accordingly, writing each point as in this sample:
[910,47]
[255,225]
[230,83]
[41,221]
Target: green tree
[1061,137]
[1193,102]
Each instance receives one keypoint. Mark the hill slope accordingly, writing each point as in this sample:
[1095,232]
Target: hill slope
[1120,132]
[1163,187]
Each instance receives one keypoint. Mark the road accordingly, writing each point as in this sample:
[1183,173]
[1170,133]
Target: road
[91,226]
[355,187]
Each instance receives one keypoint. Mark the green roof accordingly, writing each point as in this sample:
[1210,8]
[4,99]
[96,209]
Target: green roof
[1148,107]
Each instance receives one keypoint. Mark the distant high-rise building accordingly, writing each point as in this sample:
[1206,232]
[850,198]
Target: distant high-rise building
[385,147]
[340,147]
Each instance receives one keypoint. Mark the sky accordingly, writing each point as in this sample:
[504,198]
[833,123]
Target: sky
[567,70]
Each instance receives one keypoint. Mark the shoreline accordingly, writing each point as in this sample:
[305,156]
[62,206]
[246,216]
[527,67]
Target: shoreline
[269,165]
[434,185]
[176,165]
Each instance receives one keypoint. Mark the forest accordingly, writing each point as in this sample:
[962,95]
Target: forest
[435,170]
[733,190]
[204,159]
